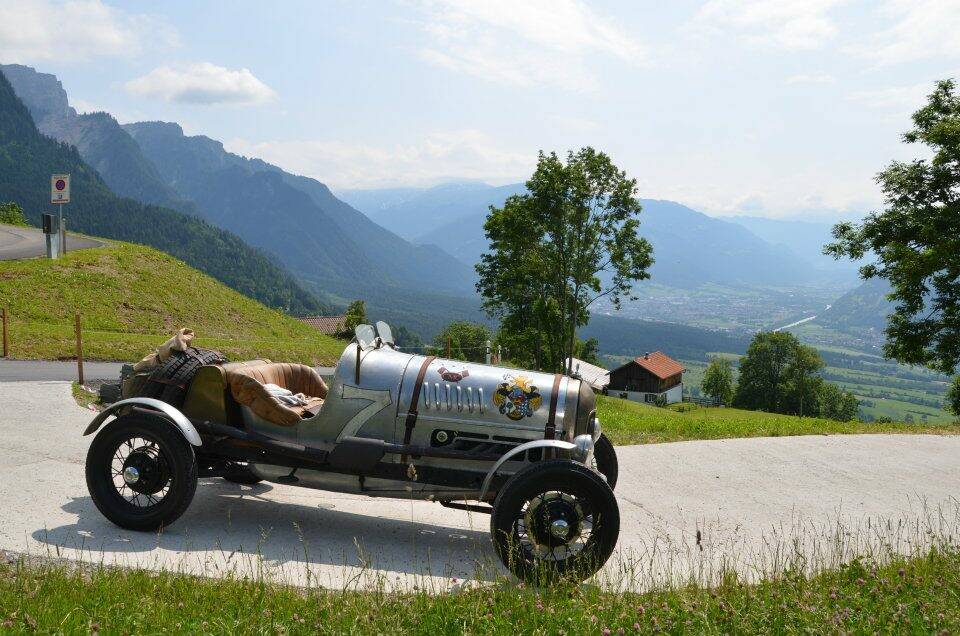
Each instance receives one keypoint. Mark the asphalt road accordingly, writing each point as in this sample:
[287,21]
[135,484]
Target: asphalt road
[688,508]
[29,242]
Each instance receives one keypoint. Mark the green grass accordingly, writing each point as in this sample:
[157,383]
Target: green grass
[907,595]
[131,298]
[628,422]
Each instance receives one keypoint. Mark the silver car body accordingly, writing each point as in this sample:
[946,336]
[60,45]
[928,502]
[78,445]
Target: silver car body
[476,408]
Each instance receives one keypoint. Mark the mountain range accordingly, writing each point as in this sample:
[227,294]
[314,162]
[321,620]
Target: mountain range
[28,158]
[409,252]
[334,250]
[690,248]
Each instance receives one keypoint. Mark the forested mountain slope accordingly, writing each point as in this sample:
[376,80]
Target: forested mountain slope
[28,158]
[321,238]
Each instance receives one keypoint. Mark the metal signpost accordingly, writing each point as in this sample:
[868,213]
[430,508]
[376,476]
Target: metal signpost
[60,196]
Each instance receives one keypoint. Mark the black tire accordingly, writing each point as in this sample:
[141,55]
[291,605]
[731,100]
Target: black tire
[169,381]
[242,475]
[605,460]
[173,465]
[532,496]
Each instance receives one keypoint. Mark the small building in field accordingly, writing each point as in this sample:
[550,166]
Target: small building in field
[648,378]
[597,377]
[330,325]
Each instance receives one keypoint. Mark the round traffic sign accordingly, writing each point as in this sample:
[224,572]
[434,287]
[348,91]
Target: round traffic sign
[60,184]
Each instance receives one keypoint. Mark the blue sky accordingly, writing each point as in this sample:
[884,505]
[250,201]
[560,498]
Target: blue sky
[784,109]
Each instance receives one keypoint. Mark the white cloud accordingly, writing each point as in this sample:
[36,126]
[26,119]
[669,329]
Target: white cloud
[811,78]
[439,156]
[202,83]
[523,43]
[40,30]
[783,24]
[896,103]
[921,29]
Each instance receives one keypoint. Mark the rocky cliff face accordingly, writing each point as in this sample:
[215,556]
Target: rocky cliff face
[101,140]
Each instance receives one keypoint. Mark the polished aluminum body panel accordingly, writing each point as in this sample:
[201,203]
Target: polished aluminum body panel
[460,403]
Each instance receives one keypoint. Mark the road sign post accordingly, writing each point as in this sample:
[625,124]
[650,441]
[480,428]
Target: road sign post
[60,196]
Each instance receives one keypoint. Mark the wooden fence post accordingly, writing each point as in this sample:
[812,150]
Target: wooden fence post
[79,348]
[6,340]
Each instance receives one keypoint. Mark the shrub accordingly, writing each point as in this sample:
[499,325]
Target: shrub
[12,214]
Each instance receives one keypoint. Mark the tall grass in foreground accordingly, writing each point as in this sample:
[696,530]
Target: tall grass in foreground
[905,595]
[869,576]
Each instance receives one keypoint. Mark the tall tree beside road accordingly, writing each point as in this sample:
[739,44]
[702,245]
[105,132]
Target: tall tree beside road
[776,374]
[780,375]
[953,397]
[916,239]
[571,240]
[718,380]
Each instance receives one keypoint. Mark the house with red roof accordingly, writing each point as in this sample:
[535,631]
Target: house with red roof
[330,325]
[648,378]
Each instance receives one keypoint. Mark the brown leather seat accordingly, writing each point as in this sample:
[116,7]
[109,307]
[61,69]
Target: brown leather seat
[246,386]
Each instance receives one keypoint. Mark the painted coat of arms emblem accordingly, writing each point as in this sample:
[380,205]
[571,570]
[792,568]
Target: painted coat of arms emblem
[517,398]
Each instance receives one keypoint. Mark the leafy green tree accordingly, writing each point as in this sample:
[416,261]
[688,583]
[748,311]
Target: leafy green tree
[916,239]
[589,351]
[953,397]
[407,339]
[763,372]
[836,404]
[778,374]
[571,240]
[12,214]
[467,341]
[356,314]
[803,383]
[718,380]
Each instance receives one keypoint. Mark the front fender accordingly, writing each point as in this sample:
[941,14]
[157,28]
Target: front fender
[537,443]
[171,413]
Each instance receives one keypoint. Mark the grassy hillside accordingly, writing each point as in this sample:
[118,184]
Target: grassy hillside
[131,298]
[628,422]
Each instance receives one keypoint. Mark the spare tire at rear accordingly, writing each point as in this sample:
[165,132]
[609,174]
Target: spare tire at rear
[171,379]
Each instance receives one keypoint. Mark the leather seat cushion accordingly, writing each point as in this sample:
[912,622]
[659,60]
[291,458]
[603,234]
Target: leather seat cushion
[246,386]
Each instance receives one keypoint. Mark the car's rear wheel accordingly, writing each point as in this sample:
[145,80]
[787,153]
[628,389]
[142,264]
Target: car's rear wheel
[141,474]
[605,460]
[555,519]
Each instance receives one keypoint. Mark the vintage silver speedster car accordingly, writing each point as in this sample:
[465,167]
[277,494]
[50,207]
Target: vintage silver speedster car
[523,446]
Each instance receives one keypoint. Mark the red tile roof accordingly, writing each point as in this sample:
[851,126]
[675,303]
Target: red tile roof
[660,364]
[326,324]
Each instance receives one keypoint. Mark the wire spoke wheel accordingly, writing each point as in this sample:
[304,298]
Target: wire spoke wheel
[555,519]
[141,472]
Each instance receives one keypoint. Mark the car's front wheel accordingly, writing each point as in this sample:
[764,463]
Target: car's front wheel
[555,519]
[141,474]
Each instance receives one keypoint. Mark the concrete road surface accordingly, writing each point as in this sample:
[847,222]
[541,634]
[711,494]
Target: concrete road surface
[29,242]
[38,370]
[687,508]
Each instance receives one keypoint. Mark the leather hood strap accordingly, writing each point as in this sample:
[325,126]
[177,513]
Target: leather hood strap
[551,429]
[412,413]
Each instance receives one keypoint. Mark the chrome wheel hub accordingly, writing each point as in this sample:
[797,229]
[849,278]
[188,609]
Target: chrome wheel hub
[560,529]
[131,475]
